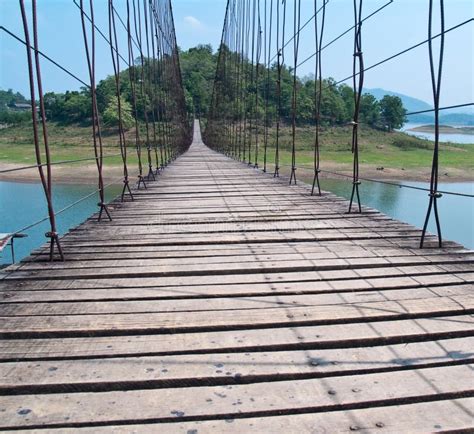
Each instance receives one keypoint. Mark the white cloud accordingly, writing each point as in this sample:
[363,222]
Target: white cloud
[193,22]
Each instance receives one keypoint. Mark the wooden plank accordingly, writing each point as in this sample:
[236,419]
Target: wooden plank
[334,393]
[320,260]
[312,337]
[376,266]
[438,416]
[114,306]
[202,369]
[224,298]
[77,325]
[337,279]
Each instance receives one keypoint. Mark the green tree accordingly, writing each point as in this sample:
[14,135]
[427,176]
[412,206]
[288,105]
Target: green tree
[392,112]
[111,114]
[198,66]
[369,110]
[77,106]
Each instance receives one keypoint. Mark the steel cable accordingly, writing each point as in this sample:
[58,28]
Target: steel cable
[357,86]
[436,78]
[96,129]
[318,92]
[46,180]
[116,66]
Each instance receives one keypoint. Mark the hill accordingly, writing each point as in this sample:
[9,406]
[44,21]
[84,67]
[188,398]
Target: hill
[451,117]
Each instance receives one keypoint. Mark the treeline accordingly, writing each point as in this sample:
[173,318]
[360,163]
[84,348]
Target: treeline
[198,67]
[9,112]
[239,89]
[153,98]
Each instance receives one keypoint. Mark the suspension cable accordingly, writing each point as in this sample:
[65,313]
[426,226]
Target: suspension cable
[96,130]
[296,42]
[46,181]
[436,78]
[116,66]
[318,91]
[357,86]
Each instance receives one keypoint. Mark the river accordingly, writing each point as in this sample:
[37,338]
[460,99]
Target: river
[465,139]
[23,203]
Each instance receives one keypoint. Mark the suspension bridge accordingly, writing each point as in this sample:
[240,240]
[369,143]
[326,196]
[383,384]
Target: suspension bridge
[211,296]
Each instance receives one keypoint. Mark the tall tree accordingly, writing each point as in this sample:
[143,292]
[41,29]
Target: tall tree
[392,112]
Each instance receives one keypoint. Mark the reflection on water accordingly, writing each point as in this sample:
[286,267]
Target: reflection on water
[23,203]
[456,212]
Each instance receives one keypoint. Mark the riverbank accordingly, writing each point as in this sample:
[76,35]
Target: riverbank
[387,156]
[87,174]
[77,175]
[444,129]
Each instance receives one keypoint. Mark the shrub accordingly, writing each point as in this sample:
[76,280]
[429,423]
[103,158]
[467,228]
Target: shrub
[406,143]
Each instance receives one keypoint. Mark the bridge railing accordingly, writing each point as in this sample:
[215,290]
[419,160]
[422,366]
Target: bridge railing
[253,114]
[148,92]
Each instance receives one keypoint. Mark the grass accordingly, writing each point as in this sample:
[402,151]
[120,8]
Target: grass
[66,143]
[393,150]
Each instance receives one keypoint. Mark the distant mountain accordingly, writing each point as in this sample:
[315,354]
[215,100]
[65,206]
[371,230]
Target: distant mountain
[465,119]
[411,104]
[415,105]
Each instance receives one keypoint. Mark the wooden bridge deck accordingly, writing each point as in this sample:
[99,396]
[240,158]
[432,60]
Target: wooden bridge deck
[223,300]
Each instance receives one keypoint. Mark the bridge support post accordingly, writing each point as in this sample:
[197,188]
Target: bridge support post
[126,188]
[54,239]
[103,209]
[316,183]
[355,192]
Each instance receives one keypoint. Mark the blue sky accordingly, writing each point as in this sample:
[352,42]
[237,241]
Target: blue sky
[402,23]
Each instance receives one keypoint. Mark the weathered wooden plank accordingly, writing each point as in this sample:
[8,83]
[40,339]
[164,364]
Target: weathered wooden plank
[321,259]
[224,303]
[201,369]
[438,416]
[334,393]
[181,285]
[313,337]
[218,275]
[77,325]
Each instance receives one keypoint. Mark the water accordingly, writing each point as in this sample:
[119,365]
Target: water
[23,203]
[466,139]
[456,212]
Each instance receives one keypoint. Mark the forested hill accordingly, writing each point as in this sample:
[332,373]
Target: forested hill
[198,66]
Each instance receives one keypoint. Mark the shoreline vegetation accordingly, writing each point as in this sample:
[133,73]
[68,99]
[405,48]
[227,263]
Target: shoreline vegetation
[444,129]
[384,152]
[383,155]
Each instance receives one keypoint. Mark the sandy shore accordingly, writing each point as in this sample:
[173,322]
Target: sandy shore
[83,174]
[444,129]
[88,174]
